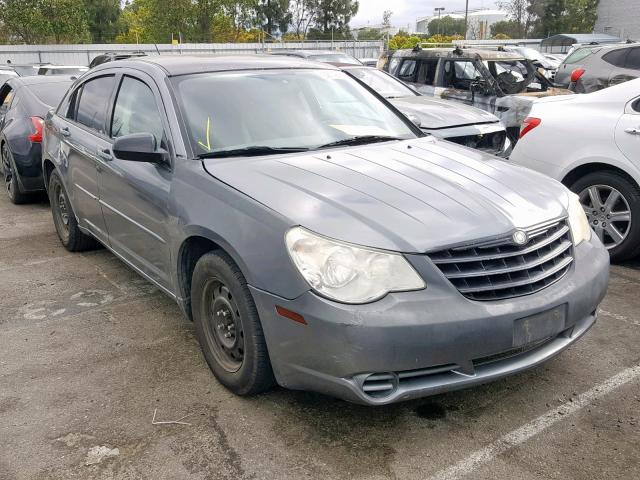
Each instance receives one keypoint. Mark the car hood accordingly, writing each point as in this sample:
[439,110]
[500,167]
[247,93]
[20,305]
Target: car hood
[408,196]
[435,114]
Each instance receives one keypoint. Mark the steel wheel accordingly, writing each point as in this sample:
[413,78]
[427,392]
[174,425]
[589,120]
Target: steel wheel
[608,213]
[8,171]
[223,326]
[61,211]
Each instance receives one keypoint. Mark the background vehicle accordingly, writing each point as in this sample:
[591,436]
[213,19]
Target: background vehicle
[537,58]
[24,101]
[594,67]
[8,70]
[283,238]
[502,83]
[592,144]
[62,70]
[462,124]
[325,56]
[112,56]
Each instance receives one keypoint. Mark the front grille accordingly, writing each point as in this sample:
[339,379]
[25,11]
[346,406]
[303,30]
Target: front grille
[489,142]
[501,269]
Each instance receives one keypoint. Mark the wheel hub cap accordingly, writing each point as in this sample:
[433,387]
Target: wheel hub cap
[608,213]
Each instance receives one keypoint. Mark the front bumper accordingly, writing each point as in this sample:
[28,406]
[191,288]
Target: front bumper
[425,342]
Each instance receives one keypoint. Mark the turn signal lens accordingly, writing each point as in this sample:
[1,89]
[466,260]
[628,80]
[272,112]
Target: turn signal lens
[576,74]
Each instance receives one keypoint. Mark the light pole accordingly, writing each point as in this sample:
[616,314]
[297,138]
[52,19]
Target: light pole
[439,10]
[466,15]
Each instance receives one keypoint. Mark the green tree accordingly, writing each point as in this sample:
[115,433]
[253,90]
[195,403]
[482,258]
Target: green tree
[446,26]
[334,16]
[103,17]
[274,15]
[45,21]
[510,28]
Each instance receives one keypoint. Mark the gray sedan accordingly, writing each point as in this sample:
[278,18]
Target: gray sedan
[316,238]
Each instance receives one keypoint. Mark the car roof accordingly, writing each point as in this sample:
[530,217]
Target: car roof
[175,65]
[309,53]
[484,53]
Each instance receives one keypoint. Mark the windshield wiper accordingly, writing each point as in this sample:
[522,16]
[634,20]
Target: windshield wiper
[254,151]
[360,140]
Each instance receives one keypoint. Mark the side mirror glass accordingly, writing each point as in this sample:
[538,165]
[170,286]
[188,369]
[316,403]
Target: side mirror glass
[139,147]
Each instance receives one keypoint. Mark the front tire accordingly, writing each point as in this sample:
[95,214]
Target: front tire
[64,219]
[228,327]
[12,186]
[612,204]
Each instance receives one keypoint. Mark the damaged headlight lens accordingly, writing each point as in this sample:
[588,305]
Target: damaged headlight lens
[347,273]
[580,229]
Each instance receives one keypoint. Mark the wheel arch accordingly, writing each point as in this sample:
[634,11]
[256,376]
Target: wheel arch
[592,167]
[198,243]
[47,167]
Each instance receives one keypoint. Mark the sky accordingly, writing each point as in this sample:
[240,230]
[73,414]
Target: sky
[406,11]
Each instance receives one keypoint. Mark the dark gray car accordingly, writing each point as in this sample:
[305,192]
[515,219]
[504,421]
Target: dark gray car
[593,67]
[313,234]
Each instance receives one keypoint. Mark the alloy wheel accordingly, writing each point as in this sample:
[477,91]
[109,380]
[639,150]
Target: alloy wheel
[608,213]
[8,171]
[61,210]
[223,326]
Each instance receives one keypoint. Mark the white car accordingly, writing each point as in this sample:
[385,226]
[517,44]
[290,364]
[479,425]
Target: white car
[591,143]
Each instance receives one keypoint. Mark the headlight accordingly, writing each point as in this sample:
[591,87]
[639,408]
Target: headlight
[580,229]
[347,273]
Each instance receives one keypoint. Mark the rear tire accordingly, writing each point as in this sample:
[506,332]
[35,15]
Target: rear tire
[620,236]
[12,186]
[64,219]
[228,327]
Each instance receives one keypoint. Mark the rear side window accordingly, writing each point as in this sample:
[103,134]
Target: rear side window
[633,59]
[616,58]
[93,103]
[7,93]
[136,111]
[579,54]
[407,71]
[427,71]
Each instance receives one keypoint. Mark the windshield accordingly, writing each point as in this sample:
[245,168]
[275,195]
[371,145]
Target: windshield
[62,70]
[281,109]
[336,58]
[384,84]
[25,70]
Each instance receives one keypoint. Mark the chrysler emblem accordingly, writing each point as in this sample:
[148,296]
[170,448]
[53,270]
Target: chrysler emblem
[520,237]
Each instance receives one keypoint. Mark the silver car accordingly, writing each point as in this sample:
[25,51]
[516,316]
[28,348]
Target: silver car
[315,236]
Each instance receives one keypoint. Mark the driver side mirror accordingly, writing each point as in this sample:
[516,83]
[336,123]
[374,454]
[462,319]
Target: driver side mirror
[139,147]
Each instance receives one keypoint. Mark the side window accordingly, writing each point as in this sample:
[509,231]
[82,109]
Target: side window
[633,59]
[136,111]
[616,57]
[427,71]
[93,102]
[636,105]
[7,93]
[407,71]
[460,73]
[393,65]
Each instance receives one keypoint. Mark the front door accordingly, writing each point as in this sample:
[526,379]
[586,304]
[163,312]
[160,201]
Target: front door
[135,195]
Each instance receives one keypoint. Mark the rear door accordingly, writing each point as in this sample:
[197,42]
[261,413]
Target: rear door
[85,145]
[628,132]
[466,81]
[135,195]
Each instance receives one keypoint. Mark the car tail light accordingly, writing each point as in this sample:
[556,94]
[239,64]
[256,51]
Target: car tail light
[576,74]
[36,137]
[529,124]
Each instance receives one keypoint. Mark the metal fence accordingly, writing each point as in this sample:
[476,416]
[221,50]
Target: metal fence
[83,54]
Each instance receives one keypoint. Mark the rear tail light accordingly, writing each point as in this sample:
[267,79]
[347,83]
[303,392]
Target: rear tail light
[36,136]
[529,124]
[576,74]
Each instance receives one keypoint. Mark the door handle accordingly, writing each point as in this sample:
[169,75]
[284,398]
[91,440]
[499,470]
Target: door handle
[65,132]
[633,131]
[105,155]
